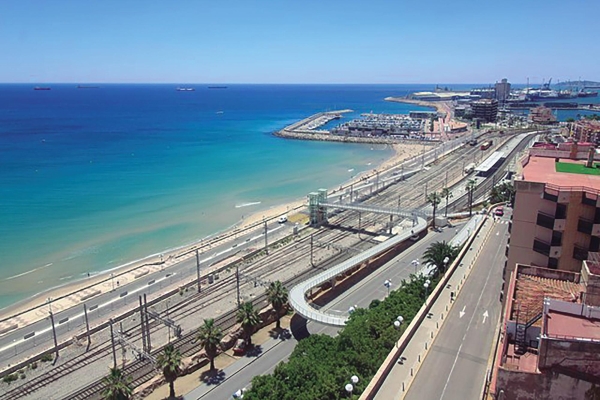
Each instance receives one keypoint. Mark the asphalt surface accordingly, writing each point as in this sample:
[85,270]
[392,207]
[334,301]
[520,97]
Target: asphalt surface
[271,353]
[456,366]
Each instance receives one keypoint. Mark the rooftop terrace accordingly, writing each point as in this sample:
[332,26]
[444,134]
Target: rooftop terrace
[543,170]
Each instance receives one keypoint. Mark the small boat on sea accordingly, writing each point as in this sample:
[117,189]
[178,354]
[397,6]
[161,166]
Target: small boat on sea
[185,89]
[217,87]
[41,88]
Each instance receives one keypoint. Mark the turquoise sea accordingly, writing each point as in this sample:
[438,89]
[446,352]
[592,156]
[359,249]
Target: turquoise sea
[93,178]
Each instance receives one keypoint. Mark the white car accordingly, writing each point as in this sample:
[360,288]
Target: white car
[239,394]
[282,219]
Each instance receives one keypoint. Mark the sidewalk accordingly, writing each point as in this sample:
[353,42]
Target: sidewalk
[399,379]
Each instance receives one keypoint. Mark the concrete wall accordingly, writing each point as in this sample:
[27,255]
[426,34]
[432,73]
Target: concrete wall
[517,385]
[528,202]
[580,356]
[592,286]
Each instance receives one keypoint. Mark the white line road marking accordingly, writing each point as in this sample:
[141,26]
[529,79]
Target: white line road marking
[461,313]
[485,315]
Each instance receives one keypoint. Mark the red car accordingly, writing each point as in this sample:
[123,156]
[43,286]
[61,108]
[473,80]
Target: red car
[240,347]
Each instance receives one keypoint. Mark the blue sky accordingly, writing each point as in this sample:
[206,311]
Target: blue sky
[308,41]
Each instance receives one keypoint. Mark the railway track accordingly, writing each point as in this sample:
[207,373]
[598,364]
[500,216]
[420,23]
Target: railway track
[141,370]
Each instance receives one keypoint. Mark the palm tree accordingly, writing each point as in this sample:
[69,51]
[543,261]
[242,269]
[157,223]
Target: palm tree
[277,295]
[440,254]
[249,319]
[434,199]
[170,362]
[447,194]
[117,386]
[209,336]
[471,184]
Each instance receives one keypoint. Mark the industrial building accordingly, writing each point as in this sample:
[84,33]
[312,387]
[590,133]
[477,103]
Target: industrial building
[502,89]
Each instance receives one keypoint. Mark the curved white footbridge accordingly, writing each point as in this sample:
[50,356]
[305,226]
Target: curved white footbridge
[298,293]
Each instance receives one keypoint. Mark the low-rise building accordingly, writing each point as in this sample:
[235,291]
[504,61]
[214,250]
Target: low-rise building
[586,131]
[549,344]
[542,115]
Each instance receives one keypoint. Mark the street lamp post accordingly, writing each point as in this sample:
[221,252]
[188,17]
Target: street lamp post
[112,278]
[349,388]
[415,263]
[426,286]
[387,284]
[398,324]
[446,261]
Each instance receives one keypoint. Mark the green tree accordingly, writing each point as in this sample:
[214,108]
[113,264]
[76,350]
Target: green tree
[503,192]
[437,252]
[446,194]
[118,386]
[434,199]
[209,336]
[471,184]
[277,295]
[249,319]
[170,363]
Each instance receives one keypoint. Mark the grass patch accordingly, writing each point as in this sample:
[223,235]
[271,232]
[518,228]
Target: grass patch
[572,168]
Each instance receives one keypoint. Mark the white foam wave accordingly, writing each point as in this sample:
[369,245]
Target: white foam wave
[27,272]
[351,170]
[253,203]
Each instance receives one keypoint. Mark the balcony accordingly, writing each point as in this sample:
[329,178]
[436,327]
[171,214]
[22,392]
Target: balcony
[579,253]
[589,199]
[545,220]
[541,247]
[559,224]
[585,226]
[550,196]
[555,251]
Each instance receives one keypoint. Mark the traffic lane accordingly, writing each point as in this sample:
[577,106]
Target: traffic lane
[461,349]
[361,294]
[399,268]
[471,365]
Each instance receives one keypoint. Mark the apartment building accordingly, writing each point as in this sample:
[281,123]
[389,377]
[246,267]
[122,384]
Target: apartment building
[556,217]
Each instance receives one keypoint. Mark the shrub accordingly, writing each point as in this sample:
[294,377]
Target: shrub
[33,365]
[46,358]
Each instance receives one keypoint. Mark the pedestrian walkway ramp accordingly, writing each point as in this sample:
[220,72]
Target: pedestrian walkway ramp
[297,296]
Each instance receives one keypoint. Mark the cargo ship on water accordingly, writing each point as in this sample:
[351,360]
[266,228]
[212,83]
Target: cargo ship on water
[184,89]
[41,88]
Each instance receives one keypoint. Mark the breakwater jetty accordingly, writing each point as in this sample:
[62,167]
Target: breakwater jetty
[308,129]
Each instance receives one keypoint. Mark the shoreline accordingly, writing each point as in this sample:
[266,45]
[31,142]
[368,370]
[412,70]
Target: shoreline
[157,261]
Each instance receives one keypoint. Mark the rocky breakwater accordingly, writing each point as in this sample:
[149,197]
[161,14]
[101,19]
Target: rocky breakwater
[308,129]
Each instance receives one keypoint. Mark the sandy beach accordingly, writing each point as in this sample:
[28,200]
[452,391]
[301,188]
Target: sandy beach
[75,293]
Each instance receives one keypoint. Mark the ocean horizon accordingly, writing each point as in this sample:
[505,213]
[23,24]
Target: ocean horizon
[95,178]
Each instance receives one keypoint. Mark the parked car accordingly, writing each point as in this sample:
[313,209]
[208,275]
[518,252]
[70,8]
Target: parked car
[240,347]
[239,394]
[282,219]
[499,211]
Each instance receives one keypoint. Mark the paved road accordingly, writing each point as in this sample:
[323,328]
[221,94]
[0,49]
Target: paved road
[239,374]
[13,344]
[456,365]
[35,337]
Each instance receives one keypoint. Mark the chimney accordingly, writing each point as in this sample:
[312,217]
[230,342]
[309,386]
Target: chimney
[590,159]
[573,154]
